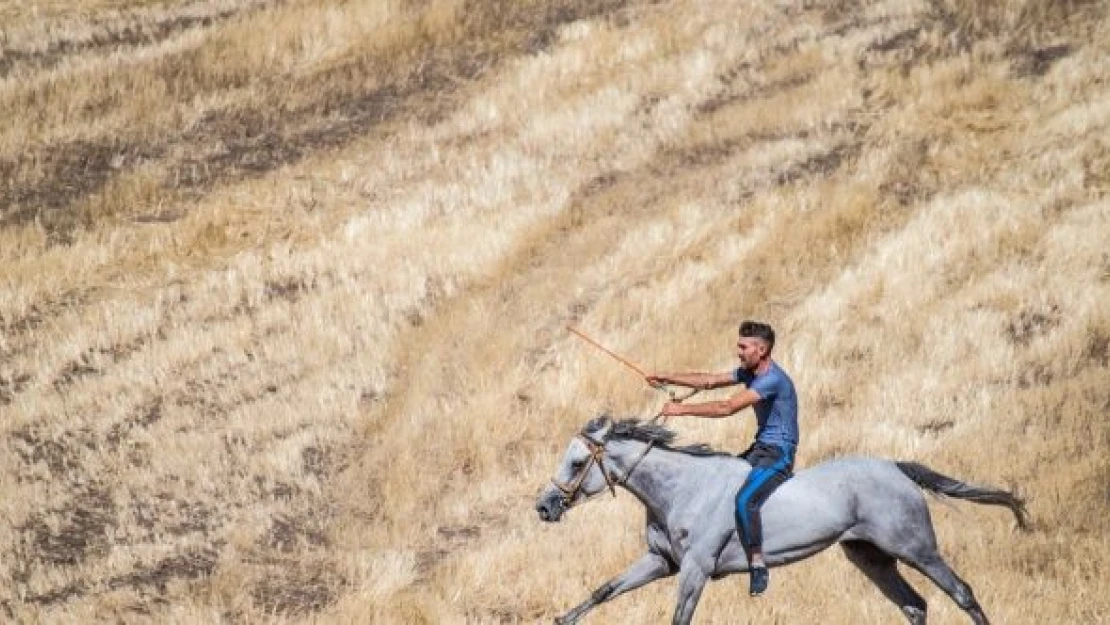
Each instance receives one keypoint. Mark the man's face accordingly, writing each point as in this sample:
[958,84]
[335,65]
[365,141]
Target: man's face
[750,350]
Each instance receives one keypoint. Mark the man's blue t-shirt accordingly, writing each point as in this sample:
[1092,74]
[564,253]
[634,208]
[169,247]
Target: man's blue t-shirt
[776,412]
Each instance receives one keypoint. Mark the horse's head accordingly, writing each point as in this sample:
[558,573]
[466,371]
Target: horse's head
[581,473]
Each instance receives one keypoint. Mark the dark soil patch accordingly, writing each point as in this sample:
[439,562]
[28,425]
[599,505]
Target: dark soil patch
[39,312]
[41,183]
[322,461]
[253,142]
[164,513]
[60,454]
[897,41]
[1035,62]
[113,38]
[75,370]
[72,533]
[236,144]
[937,426]
[1031,323]
[288,289]
[288,533]
[297,591]
[59,595]
[193,564]
[818,165]
[144,417]
[1097,350]
[11,384]
[722,100]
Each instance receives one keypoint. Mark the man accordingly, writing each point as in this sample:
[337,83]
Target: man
[772,394]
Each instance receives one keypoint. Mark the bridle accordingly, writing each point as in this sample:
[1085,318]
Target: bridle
[597,455]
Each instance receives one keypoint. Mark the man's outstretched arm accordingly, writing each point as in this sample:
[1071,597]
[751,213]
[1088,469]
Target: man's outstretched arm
[704,381]
[713,409]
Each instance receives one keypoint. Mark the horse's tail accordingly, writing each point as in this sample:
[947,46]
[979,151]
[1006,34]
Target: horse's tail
[934,482]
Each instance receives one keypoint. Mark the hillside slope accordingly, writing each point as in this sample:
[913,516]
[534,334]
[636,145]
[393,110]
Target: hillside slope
[283,288]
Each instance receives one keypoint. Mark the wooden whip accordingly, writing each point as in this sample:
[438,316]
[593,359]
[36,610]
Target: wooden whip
[619,358]
[631,365]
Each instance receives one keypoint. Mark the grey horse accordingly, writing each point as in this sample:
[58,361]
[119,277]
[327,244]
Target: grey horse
[873,508]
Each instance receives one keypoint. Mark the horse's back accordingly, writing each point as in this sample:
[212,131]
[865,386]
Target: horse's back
[849,478]
[838,493]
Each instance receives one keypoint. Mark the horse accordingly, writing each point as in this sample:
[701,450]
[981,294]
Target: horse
[873,508]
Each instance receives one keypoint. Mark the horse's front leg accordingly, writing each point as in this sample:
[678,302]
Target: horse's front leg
[691,581]
[644,571]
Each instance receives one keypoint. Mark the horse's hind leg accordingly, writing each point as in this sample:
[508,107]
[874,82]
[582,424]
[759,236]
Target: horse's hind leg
[936,569]
[881,568]
[905,530]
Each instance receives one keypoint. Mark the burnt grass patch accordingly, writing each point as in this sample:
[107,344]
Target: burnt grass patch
[1031,323]
[71,533]
[112,37]
[819,165]
[94,360]
[37,314]
[11,384]
[322,461]
[42,184]
[192,564]
[189,565]
[1029,62]
[289,533]
[298,590]
[164,513]
[60,455]
[254,142]
[234,144]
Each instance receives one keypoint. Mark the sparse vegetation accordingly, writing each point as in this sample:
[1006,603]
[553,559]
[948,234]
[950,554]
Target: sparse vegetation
[283,286]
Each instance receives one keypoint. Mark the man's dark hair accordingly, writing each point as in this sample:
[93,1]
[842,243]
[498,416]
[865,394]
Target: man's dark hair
[759,330]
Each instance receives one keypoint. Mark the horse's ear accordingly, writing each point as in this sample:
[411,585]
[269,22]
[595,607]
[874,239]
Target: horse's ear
[598,428]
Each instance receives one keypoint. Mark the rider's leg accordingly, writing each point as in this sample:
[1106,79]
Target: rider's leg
[761,482]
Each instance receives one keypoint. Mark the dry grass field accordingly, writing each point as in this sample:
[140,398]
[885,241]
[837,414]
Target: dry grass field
[283,289]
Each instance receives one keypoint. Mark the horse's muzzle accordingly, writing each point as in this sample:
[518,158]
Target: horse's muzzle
[550,508]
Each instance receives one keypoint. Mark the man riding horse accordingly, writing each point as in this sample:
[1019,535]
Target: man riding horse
[771,392]
[872,507]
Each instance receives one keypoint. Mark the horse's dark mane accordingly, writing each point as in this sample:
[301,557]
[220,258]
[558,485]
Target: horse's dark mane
[661,436]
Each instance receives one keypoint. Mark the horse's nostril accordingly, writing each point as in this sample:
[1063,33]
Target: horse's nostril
[547,511]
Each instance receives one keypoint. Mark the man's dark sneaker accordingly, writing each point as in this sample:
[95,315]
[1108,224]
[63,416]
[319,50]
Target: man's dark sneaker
[758,580]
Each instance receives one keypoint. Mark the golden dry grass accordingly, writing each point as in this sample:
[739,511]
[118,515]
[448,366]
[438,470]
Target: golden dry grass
[283,287]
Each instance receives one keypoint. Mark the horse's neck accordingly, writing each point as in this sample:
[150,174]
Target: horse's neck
[655,476]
